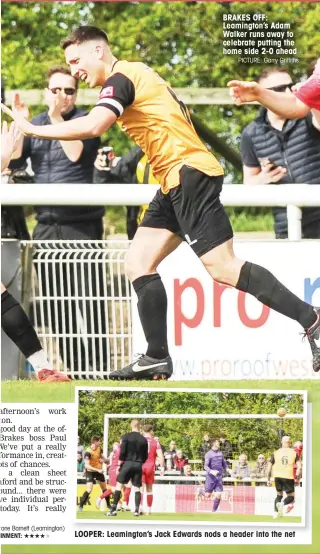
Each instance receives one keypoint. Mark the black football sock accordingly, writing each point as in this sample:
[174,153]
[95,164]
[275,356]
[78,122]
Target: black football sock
[152,306]
[259,282]
[137,499]
[288,500]
[116,498]
[278,499]
[17,326]
[84,498]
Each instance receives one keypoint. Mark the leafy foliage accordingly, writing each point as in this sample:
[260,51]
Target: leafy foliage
[182,41]
[248,435]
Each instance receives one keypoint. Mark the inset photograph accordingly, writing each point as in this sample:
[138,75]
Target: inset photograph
[209,456]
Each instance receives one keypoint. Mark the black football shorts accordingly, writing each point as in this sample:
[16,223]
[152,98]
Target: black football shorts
[284,485]
[133,471]
[193,210]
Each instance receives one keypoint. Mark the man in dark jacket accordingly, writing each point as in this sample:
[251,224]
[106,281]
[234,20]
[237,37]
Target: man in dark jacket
[204,447]
[132,168]
[66,162]
[226,448]
[279,151]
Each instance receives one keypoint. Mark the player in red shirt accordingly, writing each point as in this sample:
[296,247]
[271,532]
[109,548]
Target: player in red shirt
[305,96]
[114,458]
[148,468]
[298,448]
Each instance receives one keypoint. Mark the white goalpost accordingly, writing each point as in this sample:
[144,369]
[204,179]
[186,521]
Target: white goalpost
[176,493]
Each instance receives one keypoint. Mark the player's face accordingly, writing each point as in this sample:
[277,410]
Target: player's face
[86,62]
[95,445]
[215,445]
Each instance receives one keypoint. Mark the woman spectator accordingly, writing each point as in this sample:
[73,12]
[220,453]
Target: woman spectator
[179,461]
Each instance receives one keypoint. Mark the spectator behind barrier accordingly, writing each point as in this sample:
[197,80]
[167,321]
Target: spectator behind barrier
[260,470]
[179,461]
[226,449]
[204,447]
[80,448]
[80,464]
[187,471]
[279,151]
[242,469]
[169,455]
[132,168]
[53,162]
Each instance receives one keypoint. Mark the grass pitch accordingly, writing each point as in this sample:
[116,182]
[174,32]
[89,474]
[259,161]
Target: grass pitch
[34,391]
[187,517]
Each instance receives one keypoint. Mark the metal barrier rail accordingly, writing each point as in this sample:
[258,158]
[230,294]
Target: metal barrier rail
[294,197]
[81,305]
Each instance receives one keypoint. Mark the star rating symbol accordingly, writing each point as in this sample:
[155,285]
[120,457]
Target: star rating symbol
[26,536]
[37,536]
[31,536]
[42,536]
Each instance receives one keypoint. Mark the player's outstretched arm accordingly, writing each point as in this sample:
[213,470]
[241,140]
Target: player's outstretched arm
[244,91]
[10,138]
[92,125]
[285,105]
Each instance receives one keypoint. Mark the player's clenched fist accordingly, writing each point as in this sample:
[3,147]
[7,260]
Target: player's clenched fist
[243,91]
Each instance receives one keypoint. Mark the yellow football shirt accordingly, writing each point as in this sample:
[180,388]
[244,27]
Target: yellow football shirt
[95,456]
[151,114]
[283,461]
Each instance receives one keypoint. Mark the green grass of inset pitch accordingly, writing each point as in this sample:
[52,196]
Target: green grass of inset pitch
[34,391]
[190,517]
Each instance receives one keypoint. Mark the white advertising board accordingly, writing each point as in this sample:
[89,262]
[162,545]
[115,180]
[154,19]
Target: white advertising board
[216,332]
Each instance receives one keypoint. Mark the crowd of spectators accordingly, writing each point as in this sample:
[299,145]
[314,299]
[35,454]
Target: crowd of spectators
[240,470]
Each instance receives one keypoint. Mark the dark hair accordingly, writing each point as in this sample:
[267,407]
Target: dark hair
[148,427]
[60,69]
[83,34]
[222,436]
[270,70]
[95,439]
[312,67]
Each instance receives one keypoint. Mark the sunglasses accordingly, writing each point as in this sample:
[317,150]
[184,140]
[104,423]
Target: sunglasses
[68,91]
[281,88]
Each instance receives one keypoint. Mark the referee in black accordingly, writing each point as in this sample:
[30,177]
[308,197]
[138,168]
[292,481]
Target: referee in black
[133,454]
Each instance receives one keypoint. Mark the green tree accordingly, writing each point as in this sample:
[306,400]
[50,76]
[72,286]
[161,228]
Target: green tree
[247,435]
[182,41]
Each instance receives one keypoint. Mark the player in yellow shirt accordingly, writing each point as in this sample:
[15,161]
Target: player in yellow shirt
[93,460]
[188,203]
[282,464]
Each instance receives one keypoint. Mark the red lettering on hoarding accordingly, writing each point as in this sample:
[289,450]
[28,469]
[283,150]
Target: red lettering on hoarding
[218,290]
[180,318]
[249,321]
